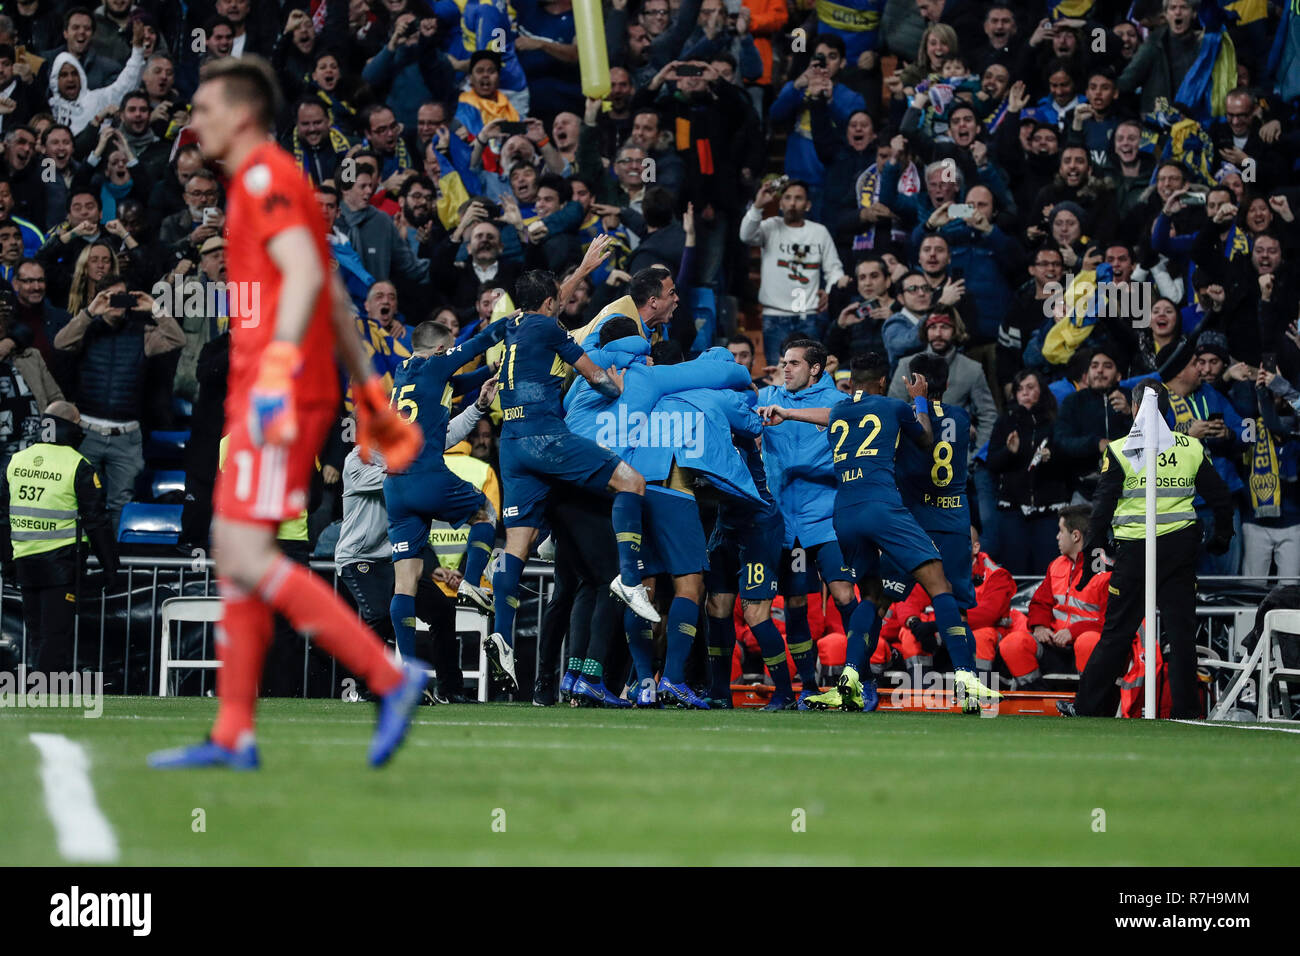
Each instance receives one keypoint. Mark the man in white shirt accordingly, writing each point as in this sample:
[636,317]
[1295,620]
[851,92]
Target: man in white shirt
[799,265]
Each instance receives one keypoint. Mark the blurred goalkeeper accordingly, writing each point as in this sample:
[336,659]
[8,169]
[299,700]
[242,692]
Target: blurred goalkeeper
[282,399]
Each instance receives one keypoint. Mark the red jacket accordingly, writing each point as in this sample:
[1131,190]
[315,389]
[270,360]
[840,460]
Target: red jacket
[1058,603]
[994,589]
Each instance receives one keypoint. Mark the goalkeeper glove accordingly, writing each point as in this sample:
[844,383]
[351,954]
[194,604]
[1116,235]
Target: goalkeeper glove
[271,417]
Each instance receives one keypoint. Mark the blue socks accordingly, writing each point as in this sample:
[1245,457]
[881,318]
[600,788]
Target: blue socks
[858,628]
[722,645]
[958,638]
[799,637]
[626,518]
[505,588]
[640,644]
[402,611]
[479,550]
[772,648]
[683,616]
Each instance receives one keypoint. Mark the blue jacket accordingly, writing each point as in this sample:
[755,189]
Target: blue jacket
[901,338]
[800,472]
[592,342]
[1205,401]
[801,159]
[717,412]
[620,424]
[985,262]
[914,210]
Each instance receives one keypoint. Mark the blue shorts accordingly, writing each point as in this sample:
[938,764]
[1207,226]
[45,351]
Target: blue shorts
[803,568]
[416,499]
[865,533]
[954,551]
[749,556]
[672,538]
[530,464]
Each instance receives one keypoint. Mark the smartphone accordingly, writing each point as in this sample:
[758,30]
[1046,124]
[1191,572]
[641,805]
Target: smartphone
[1194,199]
[687,69]
[1214,417]
[1268,362]
[512,129]
[210,215]
[780,183]
[121,300]
[960,210]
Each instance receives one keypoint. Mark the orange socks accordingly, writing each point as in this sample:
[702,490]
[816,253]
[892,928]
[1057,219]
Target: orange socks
[243,637]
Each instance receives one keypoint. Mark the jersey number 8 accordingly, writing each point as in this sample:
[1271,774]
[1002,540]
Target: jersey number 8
[941,473]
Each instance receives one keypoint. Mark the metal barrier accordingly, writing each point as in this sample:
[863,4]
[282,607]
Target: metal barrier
[161,578]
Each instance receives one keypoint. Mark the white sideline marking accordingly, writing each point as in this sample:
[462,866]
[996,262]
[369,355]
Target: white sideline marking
[1239,726]
[84,834]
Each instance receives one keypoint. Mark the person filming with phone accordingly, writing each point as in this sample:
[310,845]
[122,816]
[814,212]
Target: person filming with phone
[114,336]
[199,221]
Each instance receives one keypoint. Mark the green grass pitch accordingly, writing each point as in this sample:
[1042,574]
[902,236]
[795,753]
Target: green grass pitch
[514,784]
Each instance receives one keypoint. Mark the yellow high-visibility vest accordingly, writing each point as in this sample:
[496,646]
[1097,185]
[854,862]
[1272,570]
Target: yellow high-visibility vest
[1175,470]
[43,498]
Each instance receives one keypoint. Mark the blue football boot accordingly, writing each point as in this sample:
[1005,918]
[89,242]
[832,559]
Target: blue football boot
[206,754]
[395,710]
[681,695]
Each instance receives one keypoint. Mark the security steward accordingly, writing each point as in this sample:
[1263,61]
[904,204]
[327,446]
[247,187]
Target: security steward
[1182,472]
[49,491]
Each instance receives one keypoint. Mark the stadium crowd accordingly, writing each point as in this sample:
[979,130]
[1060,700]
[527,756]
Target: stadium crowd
[1054,199]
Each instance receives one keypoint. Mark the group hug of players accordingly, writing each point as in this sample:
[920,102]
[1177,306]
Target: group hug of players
[283,391]
[870,492]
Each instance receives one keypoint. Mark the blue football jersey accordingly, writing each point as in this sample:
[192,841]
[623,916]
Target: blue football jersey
[532,375]
[422,392]
[864,435]
[933,481]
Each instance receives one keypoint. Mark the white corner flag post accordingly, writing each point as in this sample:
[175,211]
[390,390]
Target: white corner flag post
[1151,408]
[1149,437]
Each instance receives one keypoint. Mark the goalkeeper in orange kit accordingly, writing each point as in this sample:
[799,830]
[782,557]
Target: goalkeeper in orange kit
[283,396]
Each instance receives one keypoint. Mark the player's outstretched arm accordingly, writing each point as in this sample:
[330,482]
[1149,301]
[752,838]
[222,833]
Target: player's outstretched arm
[775,414]
[597,253]
[609,382]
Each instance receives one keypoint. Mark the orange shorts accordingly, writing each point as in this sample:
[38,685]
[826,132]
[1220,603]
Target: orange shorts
[270,484]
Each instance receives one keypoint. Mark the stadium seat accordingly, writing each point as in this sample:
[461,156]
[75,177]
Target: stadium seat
[149,524]
[160,485]
[166,446]
[705,309]
[167,482]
